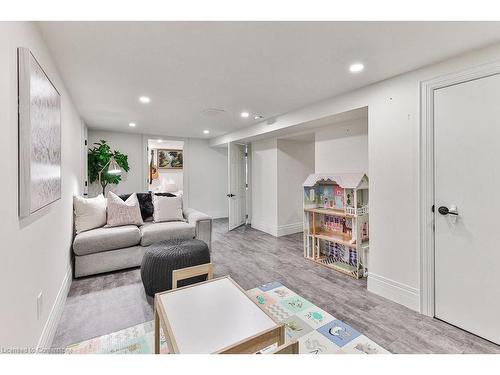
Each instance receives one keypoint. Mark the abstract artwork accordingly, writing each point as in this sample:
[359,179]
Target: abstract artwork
[170,159]
[39,136]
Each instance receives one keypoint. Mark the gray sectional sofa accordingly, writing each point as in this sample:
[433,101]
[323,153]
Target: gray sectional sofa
[109,249]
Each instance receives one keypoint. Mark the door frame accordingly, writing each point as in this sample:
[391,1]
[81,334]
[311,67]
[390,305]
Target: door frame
[247,190]
[426,220]
[185,168]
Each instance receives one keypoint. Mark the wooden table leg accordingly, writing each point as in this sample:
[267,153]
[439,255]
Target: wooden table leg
[157,332]
[281,335]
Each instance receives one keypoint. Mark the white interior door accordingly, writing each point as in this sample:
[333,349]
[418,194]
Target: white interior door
[467,175]
[236,192]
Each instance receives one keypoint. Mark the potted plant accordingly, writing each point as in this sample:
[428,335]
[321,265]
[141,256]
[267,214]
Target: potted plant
[105,166]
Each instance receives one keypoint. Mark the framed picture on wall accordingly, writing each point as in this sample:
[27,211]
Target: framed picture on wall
[169,159]
[39,136]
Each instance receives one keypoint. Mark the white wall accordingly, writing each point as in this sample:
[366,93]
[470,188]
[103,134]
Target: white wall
[204,175]
[295,163]
[280,166]
[393,153]
[264,185]
[342,148]
[129,144]
[35,252]
[207,177]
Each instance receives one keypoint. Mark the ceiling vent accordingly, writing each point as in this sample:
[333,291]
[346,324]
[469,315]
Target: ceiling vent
[213,112]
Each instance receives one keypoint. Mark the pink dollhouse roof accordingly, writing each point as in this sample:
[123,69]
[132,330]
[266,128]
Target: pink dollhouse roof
[344,180]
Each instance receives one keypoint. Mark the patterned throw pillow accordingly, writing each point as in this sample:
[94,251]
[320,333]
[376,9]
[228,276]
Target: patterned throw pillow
[123,213]
[145,204]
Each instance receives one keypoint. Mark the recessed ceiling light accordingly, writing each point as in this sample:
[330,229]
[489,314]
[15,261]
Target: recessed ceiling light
[144,99]
[356,67]
[244,114]
[160,140]
[132,124]
[206,131]
[258,117]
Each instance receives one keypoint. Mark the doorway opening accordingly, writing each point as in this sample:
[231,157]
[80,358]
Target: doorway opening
[238,185]
[165,166]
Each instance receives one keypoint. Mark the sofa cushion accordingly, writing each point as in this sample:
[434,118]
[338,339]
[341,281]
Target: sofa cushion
[104,239]
[165,195]
[167,209]
[145,204]
[156,232]
[90,213]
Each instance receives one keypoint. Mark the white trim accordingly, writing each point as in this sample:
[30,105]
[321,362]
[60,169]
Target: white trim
[278,231]
[228,189]
[426,219]
[185,169]
[265,227]
[49,330]
[395,291]
[84,164]
[217,214]
[248,192]
[249,182]
[286,229]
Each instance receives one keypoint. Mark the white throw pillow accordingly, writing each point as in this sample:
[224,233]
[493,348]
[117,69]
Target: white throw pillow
[167,209]
[123,212]
[90,213]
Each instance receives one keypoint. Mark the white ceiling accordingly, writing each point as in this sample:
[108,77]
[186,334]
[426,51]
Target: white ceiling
[266,68]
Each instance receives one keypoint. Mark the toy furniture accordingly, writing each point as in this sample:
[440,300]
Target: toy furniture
[215,316]
[336,231]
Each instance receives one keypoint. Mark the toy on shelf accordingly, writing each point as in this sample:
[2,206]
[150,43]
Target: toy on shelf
[336,230]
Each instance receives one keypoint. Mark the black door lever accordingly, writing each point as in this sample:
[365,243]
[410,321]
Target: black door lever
[443,210]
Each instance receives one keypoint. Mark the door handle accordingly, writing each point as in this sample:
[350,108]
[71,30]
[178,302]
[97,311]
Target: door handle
[231,195]
[443,210]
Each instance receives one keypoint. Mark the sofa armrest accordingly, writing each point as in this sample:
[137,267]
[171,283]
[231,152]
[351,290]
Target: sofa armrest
[203,224]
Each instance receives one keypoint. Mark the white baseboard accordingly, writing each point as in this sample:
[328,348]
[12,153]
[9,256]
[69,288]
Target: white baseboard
[49,330]
[265,227]
[395,291]
[277,231]
[286,229]
[217,214]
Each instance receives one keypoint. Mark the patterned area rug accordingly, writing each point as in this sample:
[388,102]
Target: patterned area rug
[317,331]
[138,339]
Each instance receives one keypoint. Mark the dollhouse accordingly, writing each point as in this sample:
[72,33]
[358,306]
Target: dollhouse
[336,232]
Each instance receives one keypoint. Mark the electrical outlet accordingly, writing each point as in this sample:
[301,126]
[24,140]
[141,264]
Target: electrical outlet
[39,301]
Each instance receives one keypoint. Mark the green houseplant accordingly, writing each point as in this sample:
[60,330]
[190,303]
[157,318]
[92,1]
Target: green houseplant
[99,158]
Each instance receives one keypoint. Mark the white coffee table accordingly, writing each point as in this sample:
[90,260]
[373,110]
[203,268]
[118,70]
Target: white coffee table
[215,316]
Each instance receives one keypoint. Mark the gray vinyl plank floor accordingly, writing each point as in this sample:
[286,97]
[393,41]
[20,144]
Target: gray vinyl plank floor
[102,304]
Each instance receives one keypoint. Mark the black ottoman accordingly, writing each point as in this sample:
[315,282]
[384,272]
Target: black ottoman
[161,258]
